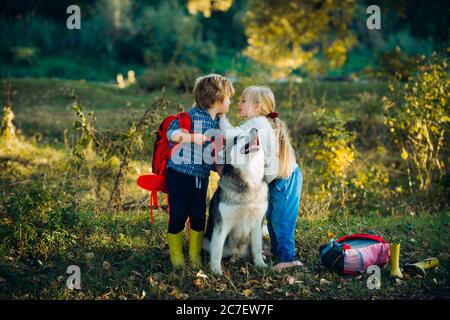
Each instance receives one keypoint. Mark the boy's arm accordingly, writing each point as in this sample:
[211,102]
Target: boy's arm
[186,137]
[176,134]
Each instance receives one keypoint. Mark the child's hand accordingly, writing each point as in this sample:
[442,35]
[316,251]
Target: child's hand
[199,138]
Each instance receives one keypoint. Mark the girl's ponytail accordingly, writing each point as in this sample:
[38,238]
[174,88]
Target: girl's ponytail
[286,153]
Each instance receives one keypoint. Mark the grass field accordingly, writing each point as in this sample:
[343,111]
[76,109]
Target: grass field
[53,209]
[126,257]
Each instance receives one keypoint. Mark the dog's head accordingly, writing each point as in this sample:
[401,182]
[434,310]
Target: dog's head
[245,152]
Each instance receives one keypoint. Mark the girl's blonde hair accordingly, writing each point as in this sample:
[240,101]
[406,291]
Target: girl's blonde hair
[265,98]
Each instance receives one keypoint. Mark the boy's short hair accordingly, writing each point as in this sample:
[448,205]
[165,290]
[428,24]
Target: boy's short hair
[210,89]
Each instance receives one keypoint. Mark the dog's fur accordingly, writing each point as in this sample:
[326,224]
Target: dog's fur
[239,204]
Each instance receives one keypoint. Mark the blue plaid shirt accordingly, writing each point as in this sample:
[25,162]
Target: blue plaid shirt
[193,159]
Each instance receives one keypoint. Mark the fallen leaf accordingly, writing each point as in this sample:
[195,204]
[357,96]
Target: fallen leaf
[324,282]
[251,283]
[247,292]
[198,283]
[201,274]
[106,265]
[2,279]
[221,287]
[136,273]
[178,295]
[244,270]
[291,280]
[152,281]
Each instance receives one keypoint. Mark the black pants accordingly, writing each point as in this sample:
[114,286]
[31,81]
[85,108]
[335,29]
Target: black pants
[186,198]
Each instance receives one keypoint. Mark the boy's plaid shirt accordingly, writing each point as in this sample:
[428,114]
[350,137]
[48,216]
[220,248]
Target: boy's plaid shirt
[192,159]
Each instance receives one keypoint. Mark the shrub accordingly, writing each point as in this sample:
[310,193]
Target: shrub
[418,115]
[177,76]
[335,151]
[396,62]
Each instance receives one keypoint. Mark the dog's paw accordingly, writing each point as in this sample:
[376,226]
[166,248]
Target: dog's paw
[260,264]
[217,270]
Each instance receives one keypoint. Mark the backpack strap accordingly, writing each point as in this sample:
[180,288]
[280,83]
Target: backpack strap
[363,236]
[153,202]
[184,121]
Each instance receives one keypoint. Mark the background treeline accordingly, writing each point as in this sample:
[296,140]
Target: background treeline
[118,35]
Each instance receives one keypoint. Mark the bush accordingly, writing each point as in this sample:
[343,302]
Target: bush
[177,76]
[418,115]
[335,151]
[396,63]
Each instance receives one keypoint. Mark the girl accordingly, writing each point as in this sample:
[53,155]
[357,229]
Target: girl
[257,104]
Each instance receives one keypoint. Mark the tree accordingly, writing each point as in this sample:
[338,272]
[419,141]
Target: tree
[289,35]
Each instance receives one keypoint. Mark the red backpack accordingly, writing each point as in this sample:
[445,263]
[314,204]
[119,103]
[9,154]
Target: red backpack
[156,181]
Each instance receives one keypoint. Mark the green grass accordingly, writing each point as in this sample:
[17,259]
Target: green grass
[43,106]
[122,256]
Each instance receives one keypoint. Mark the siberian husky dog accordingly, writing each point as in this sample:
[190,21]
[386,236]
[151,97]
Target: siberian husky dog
[238,206]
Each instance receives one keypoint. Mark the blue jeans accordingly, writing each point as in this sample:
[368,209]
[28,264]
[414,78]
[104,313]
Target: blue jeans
[284,201]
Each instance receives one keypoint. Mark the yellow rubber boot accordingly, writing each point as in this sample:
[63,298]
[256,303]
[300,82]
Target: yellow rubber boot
[394,249]
[423,265]
[195,247]
[176,249]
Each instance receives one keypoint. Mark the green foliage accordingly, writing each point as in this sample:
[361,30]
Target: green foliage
[287,36]
[85,125]
[177,76]
[418,115]
[397,63]
[37,221]
[335,150]
[334,147]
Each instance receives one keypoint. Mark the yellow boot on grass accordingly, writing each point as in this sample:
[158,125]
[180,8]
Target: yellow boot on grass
[394,249]
[176,249]
[421,266]
[195,247]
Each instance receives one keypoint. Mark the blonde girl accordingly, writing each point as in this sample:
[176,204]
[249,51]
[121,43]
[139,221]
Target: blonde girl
[283,175]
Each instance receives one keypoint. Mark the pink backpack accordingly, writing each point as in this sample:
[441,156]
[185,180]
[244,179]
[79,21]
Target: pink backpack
[354,253]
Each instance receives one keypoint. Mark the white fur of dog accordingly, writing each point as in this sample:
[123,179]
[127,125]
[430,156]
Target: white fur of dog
[239,204]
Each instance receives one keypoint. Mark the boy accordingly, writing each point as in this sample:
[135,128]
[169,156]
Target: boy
[188,169]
